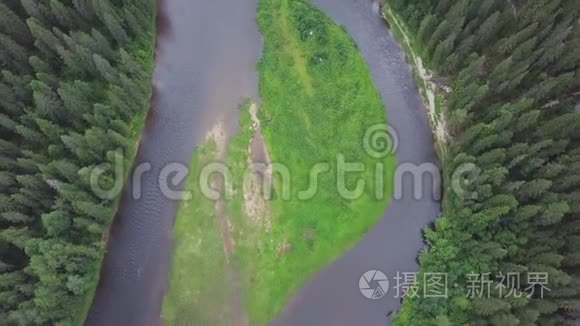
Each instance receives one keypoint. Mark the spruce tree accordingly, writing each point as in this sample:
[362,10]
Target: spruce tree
[14,26]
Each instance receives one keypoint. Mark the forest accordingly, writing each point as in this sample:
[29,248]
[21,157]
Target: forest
[74,86]
[514,72]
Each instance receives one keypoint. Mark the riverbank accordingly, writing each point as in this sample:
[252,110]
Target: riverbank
[433,94]
[143,51]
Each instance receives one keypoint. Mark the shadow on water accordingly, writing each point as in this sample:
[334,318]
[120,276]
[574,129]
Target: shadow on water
[162,22]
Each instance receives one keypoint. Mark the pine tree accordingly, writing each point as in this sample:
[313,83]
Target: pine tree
[16,218]
[105,69]
[16,236]
[120,140]
[56,223]
[443,51]
[65,169]
[40,65]
[48,79]
[135,20]
[509,43]
[98,212]
[33,9]
[96,42]
[29,135]
[79,59]
[486,32]
[426,28]
[85,8]
[115,28]
[438,35]
[13,54]
[47,101]
[442,7]
[120,127]
[51,130]
[130,66]
[8,101]
[67,17]
[77,97]
[43,35]
[19,85]
[102,43]
[7,183]
[106,13]
[7,123]
[14,26]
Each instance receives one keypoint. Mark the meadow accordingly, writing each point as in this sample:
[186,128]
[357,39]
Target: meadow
[197,291]
[318,101]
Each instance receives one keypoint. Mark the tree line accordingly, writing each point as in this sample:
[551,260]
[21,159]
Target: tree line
[74,83]
[514,70]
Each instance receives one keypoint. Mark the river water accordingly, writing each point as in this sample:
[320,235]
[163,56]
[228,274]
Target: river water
[205,64]
[332,296]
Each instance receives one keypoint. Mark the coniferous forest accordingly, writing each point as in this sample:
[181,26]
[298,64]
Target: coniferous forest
[514,71]
[75,83]
[74,86]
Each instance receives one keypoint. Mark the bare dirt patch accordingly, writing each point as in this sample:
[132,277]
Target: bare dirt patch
[218,135]
[255,200]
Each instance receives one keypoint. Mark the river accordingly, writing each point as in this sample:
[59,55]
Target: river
[332,296]
[205,64]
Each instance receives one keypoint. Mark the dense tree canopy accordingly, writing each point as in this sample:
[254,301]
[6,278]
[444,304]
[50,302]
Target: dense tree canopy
[514,67]
[74,82]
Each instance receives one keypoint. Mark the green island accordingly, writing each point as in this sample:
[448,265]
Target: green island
[317,101]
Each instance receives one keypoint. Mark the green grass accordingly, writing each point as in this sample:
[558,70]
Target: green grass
[318,99]
[198,291]
[199,284]
[237,162]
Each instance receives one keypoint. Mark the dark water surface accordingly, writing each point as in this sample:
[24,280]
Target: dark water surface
[332,296]
[206,57]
